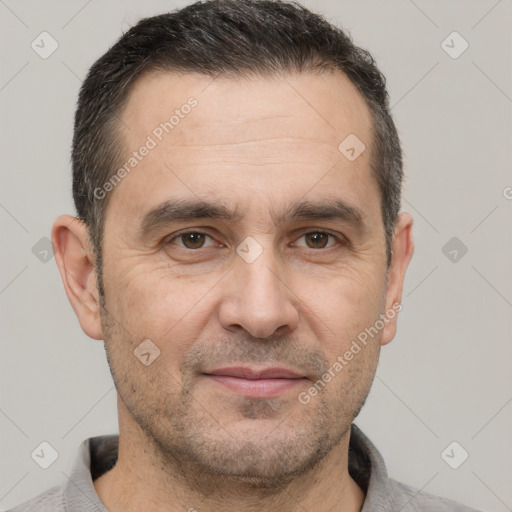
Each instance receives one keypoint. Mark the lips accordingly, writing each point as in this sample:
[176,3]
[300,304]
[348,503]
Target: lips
[256,383]
[244,372]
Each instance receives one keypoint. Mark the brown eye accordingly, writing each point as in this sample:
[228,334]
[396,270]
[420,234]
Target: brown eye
[317,240]
[191,240]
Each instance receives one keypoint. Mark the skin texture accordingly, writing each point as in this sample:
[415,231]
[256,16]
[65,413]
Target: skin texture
[260,145]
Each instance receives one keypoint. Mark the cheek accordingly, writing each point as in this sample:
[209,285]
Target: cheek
[168,310]
[345,306]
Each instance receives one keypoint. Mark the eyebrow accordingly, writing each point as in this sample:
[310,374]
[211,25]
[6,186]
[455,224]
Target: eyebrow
[186,210]
[335,209]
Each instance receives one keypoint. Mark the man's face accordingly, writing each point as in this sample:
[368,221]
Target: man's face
[221,307]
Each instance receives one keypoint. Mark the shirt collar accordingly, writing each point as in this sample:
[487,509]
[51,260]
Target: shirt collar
[366,466]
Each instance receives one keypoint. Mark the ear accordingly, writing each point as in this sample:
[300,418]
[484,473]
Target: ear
[403,249]
[75,259]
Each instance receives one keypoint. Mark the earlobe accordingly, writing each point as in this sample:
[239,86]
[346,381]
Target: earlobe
[403,249]
[75,259]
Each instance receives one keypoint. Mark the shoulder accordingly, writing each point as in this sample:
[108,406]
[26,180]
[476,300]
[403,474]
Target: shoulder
[49,501]
[414,500]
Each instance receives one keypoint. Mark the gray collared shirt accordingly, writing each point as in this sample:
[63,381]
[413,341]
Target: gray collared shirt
[366,466]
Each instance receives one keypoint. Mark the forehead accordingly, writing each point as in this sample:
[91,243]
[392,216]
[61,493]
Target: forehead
[329,103]
[245,137]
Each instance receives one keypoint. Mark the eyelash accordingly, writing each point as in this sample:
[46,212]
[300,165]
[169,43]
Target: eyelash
[339,239]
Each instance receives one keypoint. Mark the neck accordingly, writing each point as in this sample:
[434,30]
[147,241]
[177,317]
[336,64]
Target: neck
[146,479]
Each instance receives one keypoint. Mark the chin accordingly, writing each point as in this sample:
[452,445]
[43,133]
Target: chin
[262,458]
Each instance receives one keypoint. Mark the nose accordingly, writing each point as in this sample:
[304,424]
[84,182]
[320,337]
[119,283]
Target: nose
[258,299]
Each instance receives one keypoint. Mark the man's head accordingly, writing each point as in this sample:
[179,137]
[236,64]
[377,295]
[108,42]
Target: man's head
[252,237]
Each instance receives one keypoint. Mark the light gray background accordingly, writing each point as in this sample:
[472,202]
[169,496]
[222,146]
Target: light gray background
[446,376]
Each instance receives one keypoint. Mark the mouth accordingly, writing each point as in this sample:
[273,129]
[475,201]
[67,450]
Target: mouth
[256,383]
